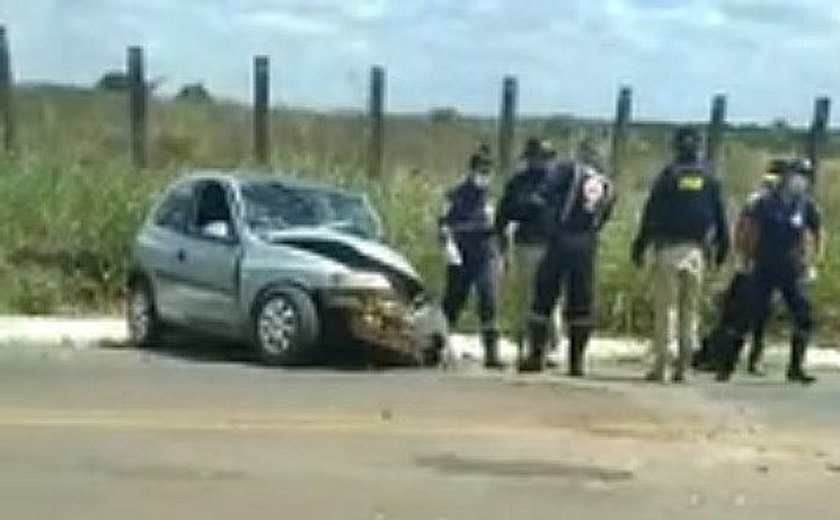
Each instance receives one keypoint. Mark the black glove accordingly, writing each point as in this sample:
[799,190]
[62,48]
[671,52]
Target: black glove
[637,253]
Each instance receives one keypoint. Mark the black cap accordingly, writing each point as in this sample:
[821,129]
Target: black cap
[687,137]
[533,147]
[480,162]
[778,166]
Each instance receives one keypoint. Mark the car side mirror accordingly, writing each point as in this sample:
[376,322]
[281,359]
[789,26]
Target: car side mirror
[217,230]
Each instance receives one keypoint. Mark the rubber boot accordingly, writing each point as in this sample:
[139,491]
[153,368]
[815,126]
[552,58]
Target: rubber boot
[578,339]
[490,342]
[538,337]
[726,355]
[795,373]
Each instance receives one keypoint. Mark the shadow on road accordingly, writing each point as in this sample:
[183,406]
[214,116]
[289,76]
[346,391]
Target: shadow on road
[352,358]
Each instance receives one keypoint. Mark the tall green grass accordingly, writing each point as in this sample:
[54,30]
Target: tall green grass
[70,203]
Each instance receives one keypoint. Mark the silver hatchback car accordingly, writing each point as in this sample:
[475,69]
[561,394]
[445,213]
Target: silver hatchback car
[291,269]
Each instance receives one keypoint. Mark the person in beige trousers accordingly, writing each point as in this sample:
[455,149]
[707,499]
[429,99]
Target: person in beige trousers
[685,221]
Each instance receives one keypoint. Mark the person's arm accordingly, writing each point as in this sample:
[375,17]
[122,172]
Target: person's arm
[444,220]
[647,225]
[503,218]
[611,200]
[813,220]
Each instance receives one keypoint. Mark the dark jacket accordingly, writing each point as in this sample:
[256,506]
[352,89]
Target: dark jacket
[469,220]
[781,227]
[685,205]
[579,199]
[522,202]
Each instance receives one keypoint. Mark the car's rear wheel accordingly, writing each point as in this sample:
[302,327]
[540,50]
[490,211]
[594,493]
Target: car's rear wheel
[144,325]
[285,326]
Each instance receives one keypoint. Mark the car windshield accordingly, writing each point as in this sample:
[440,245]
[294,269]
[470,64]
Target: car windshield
[273,206]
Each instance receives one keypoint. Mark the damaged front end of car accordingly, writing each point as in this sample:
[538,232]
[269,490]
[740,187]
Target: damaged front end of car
[380,301]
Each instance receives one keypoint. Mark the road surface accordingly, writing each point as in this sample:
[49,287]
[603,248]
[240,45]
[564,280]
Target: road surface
[196,433]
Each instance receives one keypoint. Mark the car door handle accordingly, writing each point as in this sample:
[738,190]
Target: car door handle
[181,255]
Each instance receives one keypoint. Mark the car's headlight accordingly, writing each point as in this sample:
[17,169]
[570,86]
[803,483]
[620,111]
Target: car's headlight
[360,280]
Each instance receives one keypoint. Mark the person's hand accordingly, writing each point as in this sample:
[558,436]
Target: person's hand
[637,253]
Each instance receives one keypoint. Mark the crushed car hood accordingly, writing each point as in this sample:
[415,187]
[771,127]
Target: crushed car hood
[354,252]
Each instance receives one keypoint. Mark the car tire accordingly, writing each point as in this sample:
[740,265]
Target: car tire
[432,356]
[144,325]
[285,326]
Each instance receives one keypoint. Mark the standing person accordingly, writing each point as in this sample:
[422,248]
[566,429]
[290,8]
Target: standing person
[722,346]
[520,210]
[466,228]
[579,199]
[784,219]
[746,237]
[685,220]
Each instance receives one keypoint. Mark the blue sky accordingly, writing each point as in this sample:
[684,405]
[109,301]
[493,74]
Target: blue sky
[771,56]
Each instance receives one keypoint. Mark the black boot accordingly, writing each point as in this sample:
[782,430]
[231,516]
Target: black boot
[490,342]
[795,373]
[537,338]
[578,339]
[727,352]
[756,354]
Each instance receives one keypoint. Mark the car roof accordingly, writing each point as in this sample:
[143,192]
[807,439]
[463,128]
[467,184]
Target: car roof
[239,177]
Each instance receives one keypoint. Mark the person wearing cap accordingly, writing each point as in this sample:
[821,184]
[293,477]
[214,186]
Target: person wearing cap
[784,219]
[746,234]
[721,348]
[466,230]
[578,202]
[684,219]
[519,219]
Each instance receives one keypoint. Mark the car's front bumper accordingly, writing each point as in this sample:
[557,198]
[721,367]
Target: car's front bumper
[382,321]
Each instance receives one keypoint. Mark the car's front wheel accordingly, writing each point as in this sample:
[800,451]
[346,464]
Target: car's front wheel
[144,325]
[285,326]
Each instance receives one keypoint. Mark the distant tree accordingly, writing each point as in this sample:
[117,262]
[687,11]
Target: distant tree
[780,125]
[117,81]
[195,92]
[443,115]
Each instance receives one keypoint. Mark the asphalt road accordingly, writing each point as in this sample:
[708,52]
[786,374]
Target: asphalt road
[196,433]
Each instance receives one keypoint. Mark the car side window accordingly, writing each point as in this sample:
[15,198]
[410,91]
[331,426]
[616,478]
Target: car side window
[176,210]
[213,205]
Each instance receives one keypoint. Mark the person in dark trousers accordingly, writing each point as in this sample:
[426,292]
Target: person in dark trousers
[579,199]
[784,219]
[466,229]
[737,316]
[746,235]
[520,214]
[685,220]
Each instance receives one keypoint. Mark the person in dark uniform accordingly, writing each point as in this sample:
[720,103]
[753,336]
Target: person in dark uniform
[783,219]
[466,229]
[684,218]
[579,199]
[736,316]
[519,216]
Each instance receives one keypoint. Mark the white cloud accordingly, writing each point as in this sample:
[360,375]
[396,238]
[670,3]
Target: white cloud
[772,56]
[286,22]
[365,10]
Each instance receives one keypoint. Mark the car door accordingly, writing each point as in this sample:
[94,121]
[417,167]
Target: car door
[158,249]
[209,262]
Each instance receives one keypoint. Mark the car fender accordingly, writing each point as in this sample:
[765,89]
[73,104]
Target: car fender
[266,266]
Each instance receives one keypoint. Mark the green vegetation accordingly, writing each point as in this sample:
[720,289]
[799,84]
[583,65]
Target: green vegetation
[70,202]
